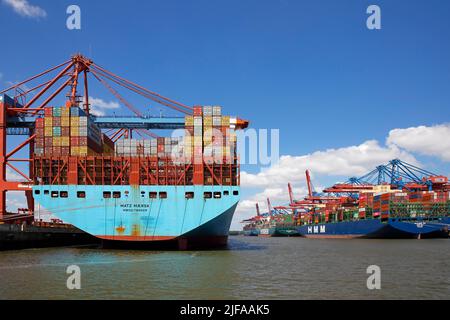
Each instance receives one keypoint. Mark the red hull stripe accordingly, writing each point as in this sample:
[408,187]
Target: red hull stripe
[137,238]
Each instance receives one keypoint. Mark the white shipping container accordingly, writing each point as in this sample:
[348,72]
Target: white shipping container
[217,121]
[198,121]
[207,110]
[217,111]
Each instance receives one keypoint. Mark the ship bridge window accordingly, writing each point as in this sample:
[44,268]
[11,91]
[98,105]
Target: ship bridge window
[81,194]
[46,192]
[153,195]
[189,195]
[226,193]
[63,194]
[142,194]
[116,194]
[217,195]
[207,195]
[235,193]
[37,191]
[54,194]
[163,195]
[106,194]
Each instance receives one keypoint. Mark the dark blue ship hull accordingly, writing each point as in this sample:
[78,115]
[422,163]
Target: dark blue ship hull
[375,228]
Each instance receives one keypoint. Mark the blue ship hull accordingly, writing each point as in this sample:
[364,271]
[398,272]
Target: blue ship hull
[134,216]
[375,228]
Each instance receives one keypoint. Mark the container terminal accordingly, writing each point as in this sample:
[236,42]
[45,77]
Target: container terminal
[113,177]
[395,200]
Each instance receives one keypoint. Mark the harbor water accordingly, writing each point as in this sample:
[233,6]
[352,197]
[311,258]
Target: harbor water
[251,268]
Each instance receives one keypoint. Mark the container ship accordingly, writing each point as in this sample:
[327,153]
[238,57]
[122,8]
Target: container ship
[414,203]
[113,178]
[270,224]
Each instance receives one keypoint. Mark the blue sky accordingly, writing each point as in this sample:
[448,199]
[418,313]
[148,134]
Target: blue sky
[310,68]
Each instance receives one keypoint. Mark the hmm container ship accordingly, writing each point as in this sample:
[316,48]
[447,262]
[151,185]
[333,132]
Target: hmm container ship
[110,176]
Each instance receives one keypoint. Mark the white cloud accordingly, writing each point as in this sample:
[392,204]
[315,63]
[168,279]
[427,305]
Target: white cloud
[98,106]
[25,9]
[348,161]
[11,175]
[15,200]
[431,141]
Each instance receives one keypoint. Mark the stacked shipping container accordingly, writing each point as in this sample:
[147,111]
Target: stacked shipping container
[161,147]
[66,131]
[209,137]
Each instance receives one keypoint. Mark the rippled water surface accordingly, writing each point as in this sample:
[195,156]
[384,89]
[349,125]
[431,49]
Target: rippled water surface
[251,268]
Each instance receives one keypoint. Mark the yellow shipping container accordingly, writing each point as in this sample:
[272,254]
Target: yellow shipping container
[57,141]
[65,121]
[48,122]
[74,121]
[207,121]
[189,121]
[65,111]
[74,131]
[83,151]
[225,120]
[207,140]
[74,151]
[48,131]
[65,141]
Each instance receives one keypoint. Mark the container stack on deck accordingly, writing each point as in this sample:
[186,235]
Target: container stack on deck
[68,131]
[161,147]
[383,205]
[205,155]
[208,136]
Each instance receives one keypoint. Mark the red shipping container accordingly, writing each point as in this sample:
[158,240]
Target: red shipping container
[74,141]
[198,111]
[56,151]
[39,122]
[82,141]
[39,142]
[48,112]
[48,141]
[65,151]
[65,131]
[39,132]
[48,150]
[56,121]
